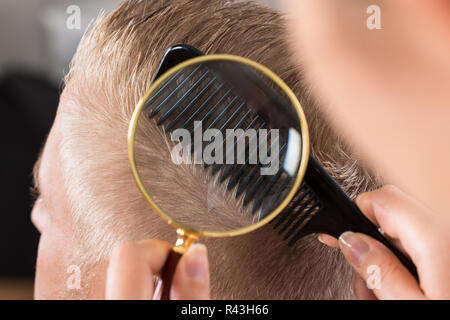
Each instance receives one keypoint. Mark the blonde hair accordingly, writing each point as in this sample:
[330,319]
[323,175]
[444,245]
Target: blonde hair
[112,68]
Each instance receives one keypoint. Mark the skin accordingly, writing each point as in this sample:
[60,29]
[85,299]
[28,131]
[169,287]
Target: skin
[387,90]
[51,216]
[132,265]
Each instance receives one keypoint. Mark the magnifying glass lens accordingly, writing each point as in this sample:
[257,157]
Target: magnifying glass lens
[219,145]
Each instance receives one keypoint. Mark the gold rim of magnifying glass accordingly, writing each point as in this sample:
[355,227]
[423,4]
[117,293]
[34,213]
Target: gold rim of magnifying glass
[304,133]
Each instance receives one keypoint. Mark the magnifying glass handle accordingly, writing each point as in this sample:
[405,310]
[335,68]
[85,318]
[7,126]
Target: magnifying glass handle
[167,273]
[184,241]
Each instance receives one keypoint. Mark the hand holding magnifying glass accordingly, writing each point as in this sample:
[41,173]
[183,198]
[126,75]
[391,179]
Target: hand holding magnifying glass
[133,267]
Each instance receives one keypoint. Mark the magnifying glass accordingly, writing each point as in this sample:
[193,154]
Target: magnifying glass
[236,148]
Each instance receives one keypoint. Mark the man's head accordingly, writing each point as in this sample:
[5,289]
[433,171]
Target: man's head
[89,201]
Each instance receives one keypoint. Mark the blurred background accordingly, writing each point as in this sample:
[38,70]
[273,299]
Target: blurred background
[37,41]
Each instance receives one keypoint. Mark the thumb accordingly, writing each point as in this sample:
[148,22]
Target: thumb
[360,289]
[191,278]
[379,267]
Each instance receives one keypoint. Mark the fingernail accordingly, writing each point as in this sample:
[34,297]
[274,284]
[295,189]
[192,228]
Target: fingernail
[197,262]
[355,249]
[320,239]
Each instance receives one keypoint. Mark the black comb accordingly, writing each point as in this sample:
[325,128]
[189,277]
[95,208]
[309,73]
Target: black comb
[319,206]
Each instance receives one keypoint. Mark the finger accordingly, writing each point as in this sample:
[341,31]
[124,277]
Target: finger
[132,268]
[378,266]
[401,218]
[364,204]
[191,278]
[360,289]
[328,240]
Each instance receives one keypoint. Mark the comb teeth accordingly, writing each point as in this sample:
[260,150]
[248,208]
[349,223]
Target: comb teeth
[217,167]
[271,180]
[167,114]
[228,170]
[302,208]
[180,115]
[199,94]
[172,94]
